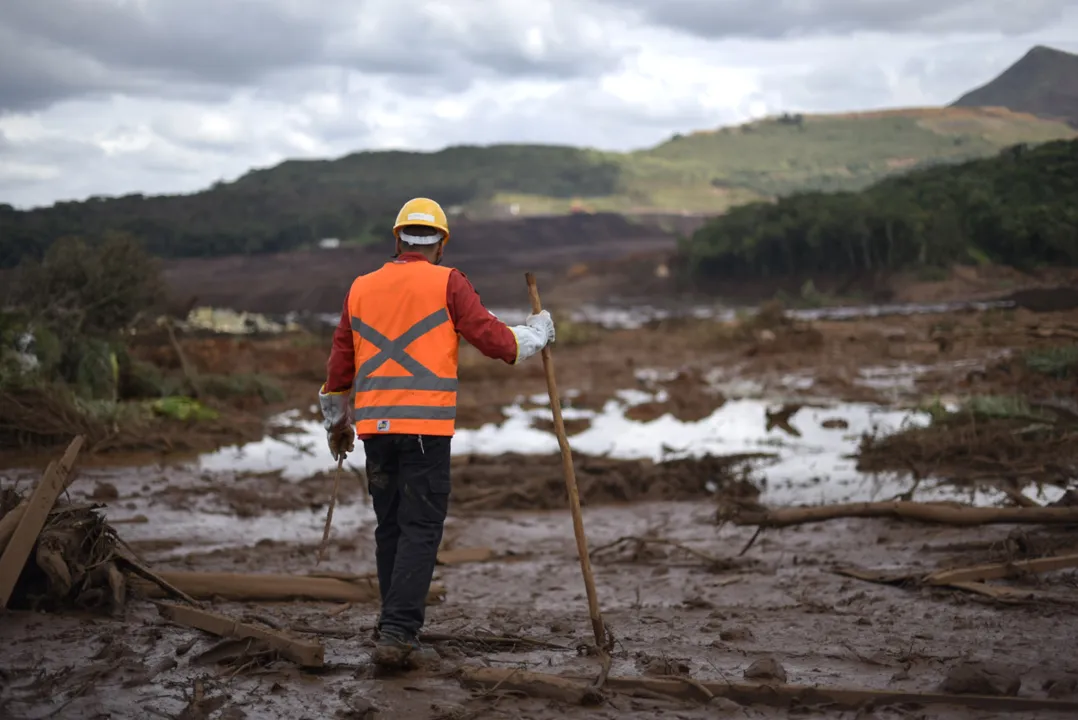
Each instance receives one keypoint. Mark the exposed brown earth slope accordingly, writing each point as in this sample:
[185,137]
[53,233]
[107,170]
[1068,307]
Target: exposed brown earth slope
[488,252]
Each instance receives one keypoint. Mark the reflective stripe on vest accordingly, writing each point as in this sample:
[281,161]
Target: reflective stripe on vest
[421,378]
[405,350]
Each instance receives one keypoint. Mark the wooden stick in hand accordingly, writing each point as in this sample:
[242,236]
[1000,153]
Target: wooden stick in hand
[570,479]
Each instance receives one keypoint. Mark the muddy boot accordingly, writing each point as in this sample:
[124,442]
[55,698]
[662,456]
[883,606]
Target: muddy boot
[394,650]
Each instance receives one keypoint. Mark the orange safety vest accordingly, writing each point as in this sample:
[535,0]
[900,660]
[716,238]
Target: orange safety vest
[406,350]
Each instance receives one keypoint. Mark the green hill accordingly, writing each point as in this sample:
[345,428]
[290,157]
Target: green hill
[1019,208]
[354,198]
[1044,82]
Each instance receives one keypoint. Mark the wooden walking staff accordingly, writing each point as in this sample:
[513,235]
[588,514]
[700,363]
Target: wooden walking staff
[570,479]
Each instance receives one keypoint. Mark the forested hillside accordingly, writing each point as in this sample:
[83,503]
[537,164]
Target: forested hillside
[1019,208]
[354,198]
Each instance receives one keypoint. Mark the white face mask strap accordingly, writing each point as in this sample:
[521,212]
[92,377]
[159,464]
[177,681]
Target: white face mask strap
[421,239]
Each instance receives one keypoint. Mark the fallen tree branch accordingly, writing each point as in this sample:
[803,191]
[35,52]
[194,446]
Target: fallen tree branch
[303,652]
[273,588]
[944,513]
[953,580]
[578,692]
[1014,595]
[996,571]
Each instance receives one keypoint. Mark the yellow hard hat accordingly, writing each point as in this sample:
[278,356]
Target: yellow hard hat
[422,211]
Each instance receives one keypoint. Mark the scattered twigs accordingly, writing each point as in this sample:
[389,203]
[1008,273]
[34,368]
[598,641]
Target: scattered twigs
[639,542]
[752,541]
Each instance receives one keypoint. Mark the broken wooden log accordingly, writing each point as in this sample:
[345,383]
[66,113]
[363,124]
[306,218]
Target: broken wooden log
[1015,595]
[1002,593]
[154,579]
[303,652]
[577,691]
[944,513]
[38,506]
[996,571]
[10,521]
[271,588]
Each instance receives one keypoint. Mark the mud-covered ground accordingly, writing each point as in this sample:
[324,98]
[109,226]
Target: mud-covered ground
[672,422]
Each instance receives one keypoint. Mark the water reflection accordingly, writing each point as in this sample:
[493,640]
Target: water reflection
[814,466]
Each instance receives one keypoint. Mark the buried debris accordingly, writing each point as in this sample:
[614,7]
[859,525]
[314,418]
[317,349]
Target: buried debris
[32,518]
[988,437]
[459,556]
[58,555]
[303,652]
[78,561]
[259,587]
[579,692]
[978,678]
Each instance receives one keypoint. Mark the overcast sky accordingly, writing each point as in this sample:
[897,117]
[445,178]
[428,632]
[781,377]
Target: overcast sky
[103,97]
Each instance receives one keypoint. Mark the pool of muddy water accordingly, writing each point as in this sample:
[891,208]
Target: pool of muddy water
[632,316]
[285,476]
[811,461]
[811,466]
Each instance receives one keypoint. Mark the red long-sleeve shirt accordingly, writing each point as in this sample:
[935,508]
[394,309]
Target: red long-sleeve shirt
[470,318]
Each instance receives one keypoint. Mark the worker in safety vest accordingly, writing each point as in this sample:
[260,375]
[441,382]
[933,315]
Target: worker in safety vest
[396,348]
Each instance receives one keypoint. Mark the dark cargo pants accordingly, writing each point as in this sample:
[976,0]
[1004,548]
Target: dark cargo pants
[408,479]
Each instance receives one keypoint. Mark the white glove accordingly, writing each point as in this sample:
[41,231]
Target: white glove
[543,323]
[534,335]
[337,414]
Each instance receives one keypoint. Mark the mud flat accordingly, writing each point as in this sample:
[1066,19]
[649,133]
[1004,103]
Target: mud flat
[682,431]
[678,598]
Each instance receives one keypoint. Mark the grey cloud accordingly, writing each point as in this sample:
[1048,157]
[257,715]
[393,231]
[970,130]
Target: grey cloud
[786,18]
[207,40]
[65,49]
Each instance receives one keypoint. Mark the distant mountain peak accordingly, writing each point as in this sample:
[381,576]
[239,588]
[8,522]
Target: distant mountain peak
[1043,82]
